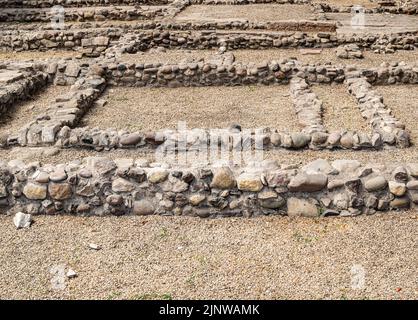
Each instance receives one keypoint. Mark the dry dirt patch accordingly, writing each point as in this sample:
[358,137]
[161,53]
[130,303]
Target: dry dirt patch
[167,56]
[340,108]
[348,3]
[327,55]
[37,55]
[251,12]
[25,111]
[183,258]
[204,107]
[402,100]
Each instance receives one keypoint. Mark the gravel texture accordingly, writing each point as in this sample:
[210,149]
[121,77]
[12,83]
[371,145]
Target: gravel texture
[162,55]
[232,258]
[348,3]
[37,55]
[286,157]
[25,111]
[205,107]
[402,100]
[340,108]
[326,56]
[251,12]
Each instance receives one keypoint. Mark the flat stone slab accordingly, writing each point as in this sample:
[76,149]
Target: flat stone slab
[9,76]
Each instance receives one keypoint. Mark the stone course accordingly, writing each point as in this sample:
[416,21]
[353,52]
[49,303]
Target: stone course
[76,3]
[78,14]
[58,124]
[133,41]
[100,186]
[18,82]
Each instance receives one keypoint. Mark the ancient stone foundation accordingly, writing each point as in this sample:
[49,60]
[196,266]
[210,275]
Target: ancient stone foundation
[108,42]
[99,186]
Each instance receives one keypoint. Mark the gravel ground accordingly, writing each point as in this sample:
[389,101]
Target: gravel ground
[25,111]
[251,12]
[327,55]
[37,55]
[167,56]
[348,3]
[402,99]
[340,108]
[230,258]
[287,157]
[204,107]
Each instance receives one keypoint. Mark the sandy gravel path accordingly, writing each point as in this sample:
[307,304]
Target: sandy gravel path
[181,258]
[203,107]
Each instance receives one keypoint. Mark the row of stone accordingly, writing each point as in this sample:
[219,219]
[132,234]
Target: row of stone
[75,3]
[145,40]
[12,40]
[81,14]
[226,24]
[67,110]
[206,73]
[375,111]
[100,186]
[228,139]
[26,82]
[307,106]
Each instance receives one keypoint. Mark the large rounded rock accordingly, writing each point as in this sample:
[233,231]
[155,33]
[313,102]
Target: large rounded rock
[397,188]
[300,140]
[223,179]
[143,207]
[302,207]
[196,199]
[376,183]
[60,191]
[58,175]
[35,191]
[130,139]
[157,175]
[304,182]
[271,200]
[122,185]
[249,182]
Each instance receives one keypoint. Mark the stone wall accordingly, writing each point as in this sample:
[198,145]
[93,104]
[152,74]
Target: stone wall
[19,82]
[81,14]
[99,186]
[210,73]
[96,40]
[76,3]
[66,111]
[57,125]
